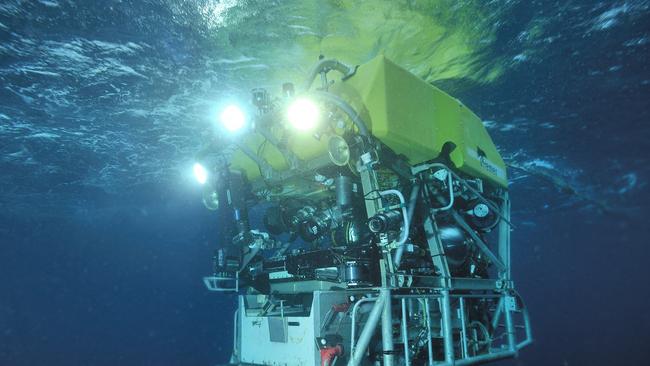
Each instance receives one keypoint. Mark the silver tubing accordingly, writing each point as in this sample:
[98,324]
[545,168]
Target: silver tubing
[215,283]
[497,313]
[436,249]
[510,328]
[450,184]
[482,358]
[327,65]
[445,310]
[357,354]
[429,336]
[529,331]
[387,327]
[523,344]
[463,338]
[355,307]
[478,241]
[405,335]
[236,336]
[413,200]
[450,176]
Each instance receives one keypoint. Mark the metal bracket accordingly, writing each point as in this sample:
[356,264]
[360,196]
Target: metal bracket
[511,303]
[222,283]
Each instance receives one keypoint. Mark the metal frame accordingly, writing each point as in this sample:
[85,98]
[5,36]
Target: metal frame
[441,289]
[444,288]
[443,298]
[220,283]
[440,305]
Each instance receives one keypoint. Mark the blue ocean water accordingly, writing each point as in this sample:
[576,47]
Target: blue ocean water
[103,237]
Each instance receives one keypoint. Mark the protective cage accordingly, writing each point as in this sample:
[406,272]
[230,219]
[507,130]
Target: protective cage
[386,236]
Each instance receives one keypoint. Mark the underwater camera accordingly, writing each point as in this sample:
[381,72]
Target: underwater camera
[384,224]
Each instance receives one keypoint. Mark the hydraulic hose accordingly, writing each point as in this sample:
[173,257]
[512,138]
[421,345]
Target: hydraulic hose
[357,354]
[326,65]
[413,200]
[346,108]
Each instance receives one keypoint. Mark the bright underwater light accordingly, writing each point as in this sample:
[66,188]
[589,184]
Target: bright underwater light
[200,173]
[303,114]
[232,118]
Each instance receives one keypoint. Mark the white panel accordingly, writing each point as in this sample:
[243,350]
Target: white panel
[256,347]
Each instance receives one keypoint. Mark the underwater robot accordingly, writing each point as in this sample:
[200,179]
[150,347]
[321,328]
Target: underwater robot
[384,235]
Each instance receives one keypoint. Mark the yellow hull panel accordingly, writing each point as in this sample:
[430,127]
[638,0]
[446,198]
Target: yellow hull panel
[410,116]
[417,120]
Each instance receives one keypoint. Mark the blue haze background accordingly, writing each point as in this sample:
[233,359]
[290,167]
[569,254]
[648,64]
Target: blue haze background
[103,239]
